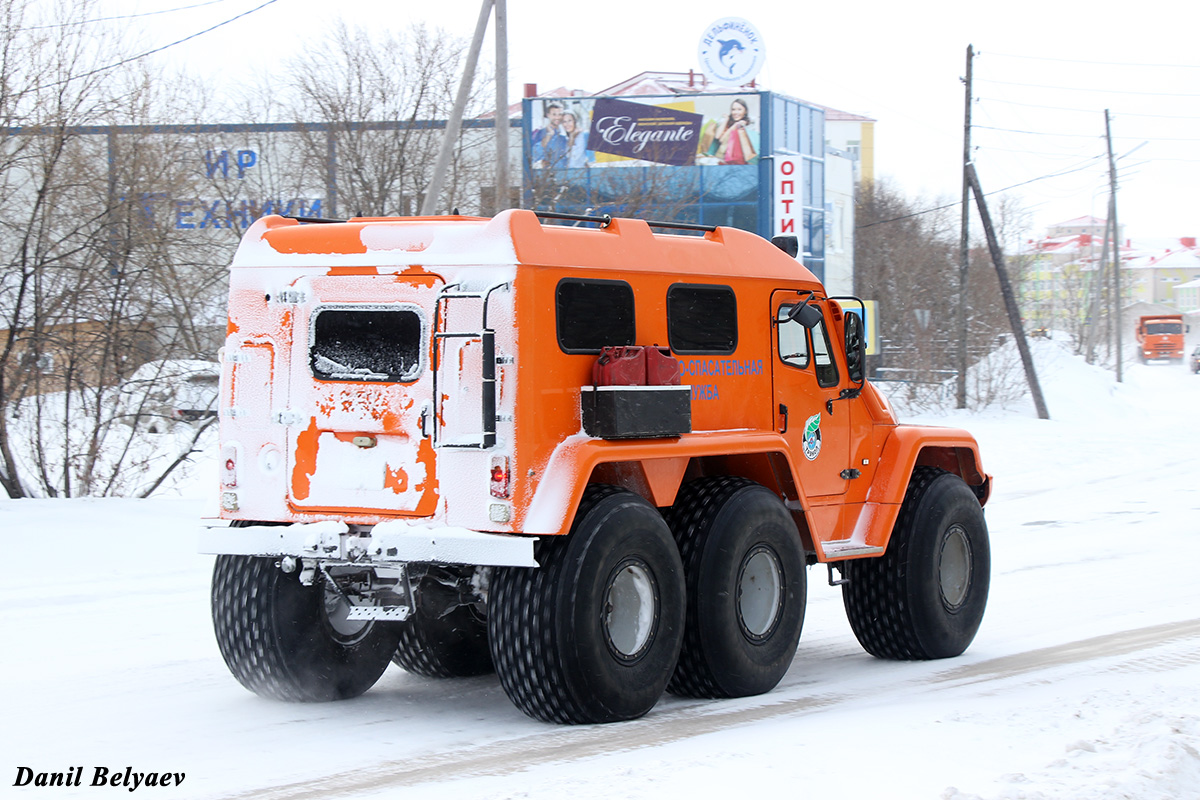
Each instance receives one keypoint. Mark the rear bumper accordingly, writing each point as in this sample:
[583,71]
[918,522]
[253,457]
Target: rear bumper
[386,543]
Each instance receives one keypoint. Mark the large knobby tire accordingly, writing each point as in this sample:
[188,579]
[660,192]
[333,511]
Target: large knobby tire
[592,635]
[746,588]
[289,641]
[451,646]
[925,597]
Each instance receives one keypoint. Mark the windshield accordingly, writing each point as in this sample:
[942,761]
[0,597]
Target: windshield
[1154,328]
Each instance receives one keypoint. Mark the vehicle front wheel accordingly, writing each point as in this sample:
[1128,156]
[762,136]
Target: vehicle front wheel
[593,634]
[288,641]
[924,598]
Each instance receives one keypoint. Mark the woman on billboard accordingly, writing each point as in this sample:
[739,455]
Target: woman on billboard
[731,140]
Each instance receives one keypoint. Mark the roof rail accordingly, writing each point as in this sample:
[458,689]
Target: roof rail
[311,219]
[604,220]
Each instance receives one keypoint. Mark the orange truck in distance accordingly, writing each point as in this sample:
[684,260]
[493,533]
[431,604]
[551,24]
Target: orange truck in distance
[596,459]
[1160,336]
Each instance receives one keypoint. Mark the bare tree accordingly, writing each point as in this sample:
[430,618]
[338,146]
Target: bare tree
[375,95]
[906,258]
[87,269]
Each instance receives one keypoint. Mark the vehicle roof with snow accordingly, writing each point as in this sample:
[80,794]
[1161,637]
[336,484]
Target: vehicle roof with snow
[511,237]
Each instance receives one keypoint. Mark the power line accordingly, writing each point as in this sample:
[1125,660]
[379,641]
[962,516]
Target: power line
[1026,151]
[986,194]
[1083,110]
[1087,135]
[1089,89]
[76,23]
[1037,133]
[1099,63]
[140,56]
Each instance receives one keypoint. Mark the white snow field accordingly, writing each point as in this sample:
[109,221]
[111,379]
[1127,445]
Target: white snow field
[1082,682]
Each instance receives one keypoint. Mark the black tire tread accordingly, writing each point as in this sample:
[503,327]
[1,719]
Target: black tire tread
[877,598]
[522,631]
[697,502]
[454,646]
[257,640]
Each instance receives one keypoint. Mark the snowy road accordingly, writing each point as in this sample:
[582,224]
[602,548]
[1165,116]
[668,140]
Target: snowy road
[1169,646]
[1081,682]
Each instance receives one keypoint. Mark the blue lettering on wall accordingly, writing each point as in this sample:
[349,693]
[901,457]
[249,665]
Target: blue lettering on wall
[192,214]
[215,161]
[221,162]
[245,160]
[182,214]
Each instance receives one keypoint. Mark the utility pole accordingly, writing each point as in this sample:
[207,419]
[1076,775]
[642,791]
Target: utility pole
[453,125]
[1098,281]
[1010,301]
[1116,233]
[964,254]
[501,197]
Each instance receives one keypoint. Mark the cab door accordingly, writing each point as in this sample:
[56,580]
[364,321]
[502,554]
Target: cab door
[806,381]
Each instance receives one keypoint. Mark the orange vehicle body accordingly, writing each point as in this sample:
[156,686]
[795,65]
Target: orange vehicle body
[1160,336]
[303,442]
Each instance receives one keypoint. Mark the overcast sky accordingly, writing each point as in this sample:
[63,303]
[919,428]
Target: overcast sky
[1044,77]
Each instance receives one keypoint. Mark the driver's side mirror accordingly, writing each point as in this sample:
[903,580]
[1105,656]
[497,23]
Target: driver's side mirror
[856,347]
[806,315]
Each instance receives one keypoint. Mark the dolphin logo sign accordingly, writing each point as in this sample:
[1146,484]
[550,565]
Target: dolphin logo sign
[731,52]
[727,47]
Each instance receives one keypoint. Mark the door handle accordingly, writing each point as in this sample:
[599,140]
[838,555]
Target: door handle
[783,411]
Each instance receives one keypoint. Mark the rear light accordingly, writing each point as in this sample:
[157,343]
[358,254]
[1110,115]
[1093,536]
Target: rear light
[500,476]
[229,459]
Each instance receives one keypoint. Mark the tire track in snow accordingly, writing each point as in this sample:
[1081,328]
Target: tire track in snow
[569,744]
[1104,646]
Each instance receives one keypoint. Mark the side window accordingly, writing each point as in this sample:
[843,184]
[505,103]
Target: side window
[366,344]
[793,340]
[827,371]
[592,314]
[702,319]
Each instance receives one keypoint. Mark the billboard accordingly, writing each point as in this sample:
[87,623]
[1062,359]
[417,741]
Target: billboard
[688,130]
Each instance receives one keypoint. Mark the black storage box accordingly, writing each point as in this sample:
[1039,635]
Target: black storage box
[636,412]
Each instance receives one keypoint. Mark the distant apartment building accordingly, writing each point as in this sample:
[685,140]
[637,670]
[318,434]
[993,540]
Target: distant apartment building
[1057,274]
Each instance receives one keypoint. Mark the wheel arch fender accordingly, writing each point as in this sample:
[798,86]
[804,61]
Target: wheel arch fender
[910,446]
[656,469]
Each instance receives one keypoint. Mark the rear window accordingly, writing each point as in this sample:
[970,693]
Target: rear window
[592,314]
[702,319]
[367,344]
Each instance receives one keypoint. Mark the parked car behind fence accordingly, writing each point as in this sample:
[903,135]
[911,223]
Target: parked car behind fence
[179,390]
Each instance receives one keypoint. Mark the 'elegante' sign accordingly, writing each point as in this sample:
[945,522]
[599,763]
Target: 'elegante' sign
[649,133]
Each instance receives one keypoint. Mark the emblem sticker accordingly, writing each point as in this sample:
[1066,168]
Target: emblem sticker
[811,441]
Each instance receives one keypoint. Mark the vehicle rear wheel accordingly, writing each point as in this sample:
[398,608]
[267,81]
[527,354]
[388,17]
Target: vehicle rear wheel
[453,645]
[925,597]
[289,641]
[592,635]
[746,588]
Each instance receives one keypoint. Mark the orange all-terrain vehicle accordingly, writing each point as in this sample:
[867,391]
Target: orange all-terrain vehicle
[596,459]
